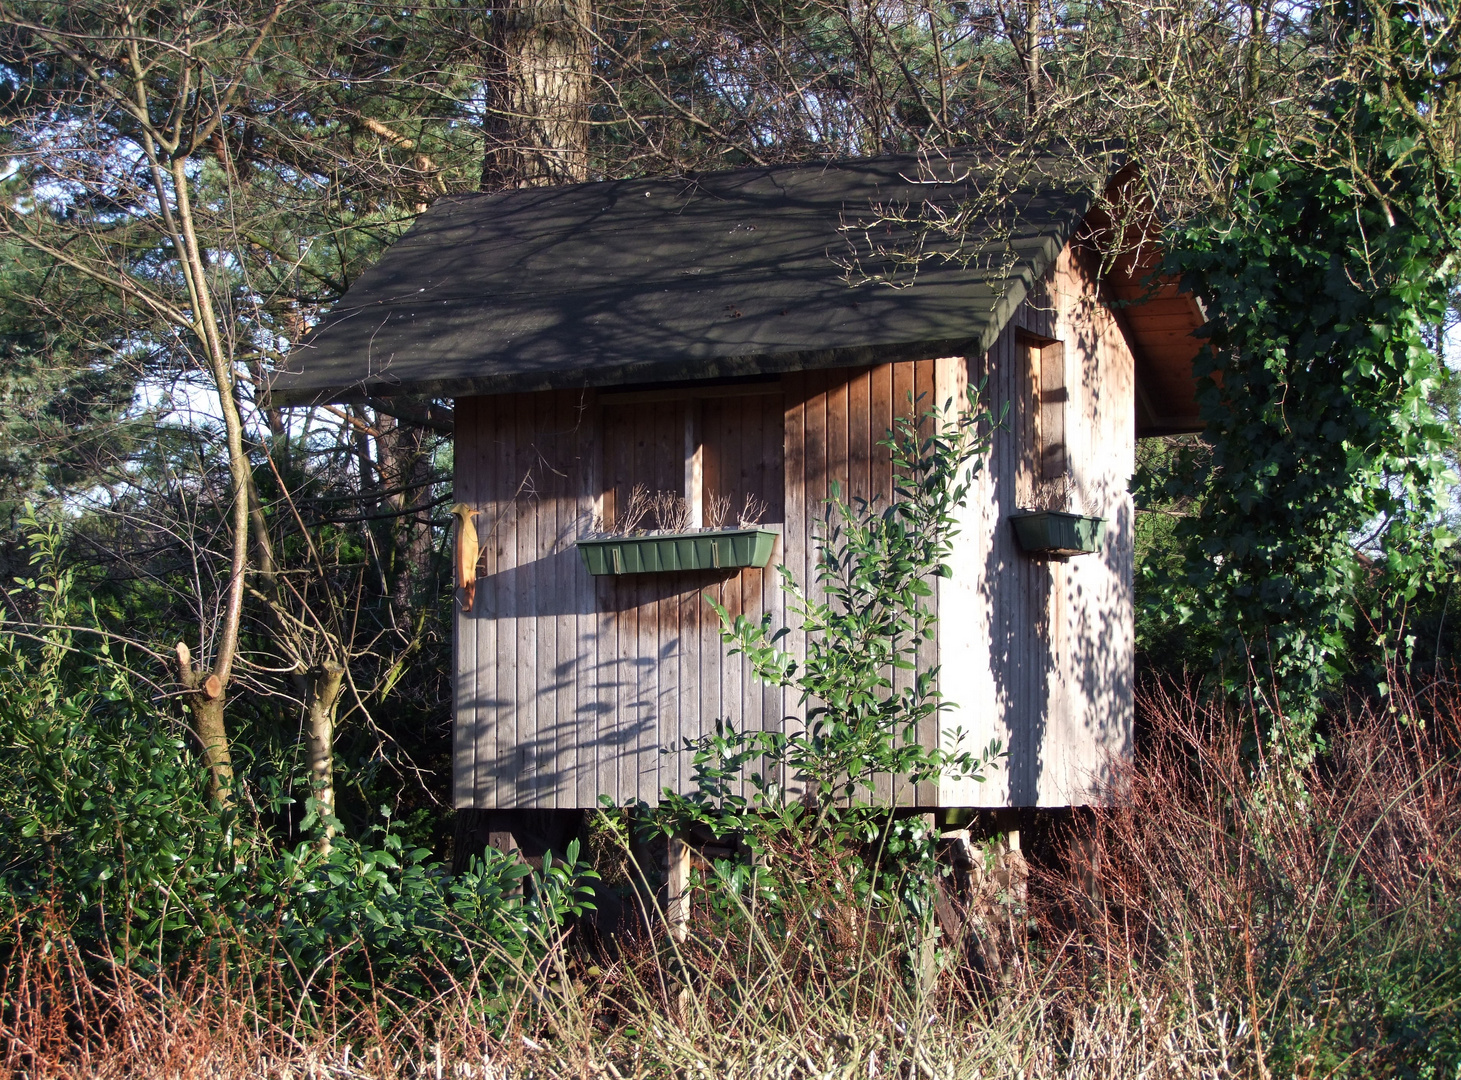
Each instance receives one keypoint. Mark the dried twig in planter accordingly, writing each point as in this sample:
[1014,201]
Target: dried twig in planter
[668,511]
[671,512]
[717,511]
[635,510]
[1053,494]
[752,511]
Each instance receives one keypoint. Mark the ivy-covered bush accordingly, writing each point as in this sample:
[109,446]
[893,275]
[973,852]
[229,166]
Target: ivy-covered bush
[1323,477]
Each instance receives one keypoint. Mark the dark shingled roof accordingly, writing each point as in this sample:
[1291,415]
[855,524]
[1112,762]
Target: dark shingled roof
[638,281]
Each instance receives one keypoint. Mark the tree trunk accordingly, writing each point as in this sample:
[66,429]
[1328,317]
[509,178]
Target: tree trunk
[1032,57]
[206,688]
[205,702]
[404,458]
[213,734]
[538,83]
[323,695]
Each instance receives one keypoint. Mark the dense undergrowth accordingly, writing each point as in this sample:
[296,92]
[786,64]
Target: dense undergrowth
[1230,913]
[110,851]
[1227,916]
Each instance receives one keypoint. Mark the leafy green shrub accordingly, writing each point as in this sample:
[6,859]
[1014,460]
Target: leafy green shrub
[1322,481]
[105,824]
[805,799]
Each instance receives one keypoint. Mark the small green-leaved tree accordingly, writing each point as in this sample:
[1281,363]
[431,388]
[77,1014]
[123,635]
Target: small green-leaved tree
[107,834]
[864,691]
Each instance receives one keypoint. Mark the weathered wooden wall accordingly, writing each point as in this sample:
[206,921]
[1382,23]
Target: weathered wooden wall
[1039,653]
[568,686]
[835,419]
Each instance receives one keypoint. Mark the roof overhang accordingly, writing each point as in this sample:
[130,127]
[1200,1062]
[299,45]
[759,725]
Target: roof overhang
[1161,322]
[752,272]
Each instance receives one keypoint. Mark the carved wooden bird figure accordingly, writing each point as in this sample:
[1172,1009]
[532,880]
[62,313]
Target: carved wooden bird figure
[467,551]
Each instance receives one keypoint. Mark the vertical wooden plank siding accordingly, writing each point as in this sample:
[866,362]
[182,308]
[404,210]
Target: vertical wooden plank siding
[564,675]
[629,593]
[925,392]
[1097,632]
[466,476]
[1037,653]
[588,491]
[950,381]
[567,686]
[731,674]
[813,482]
[837,432]
[1054,400]
[601,618]
[712,673]
[553,758]
[832,438]
[500,763]
[794,532]
[525,560]
[774,441]
[860,436]
[661,726]
[497,628]
[617,449]
[747,584]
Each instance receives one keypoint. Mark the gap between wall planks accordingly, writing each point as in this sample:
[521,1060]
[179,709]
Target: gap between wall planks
[525,668]
[793,544]
[578,674]
[925,402]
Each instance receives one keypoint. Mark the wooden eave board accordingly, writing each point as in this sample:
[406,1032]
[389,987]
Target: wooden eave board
[1162,323]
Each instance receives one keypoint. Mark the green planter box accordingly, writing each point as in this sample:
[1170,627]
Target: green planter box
[723,549]
[1053,533]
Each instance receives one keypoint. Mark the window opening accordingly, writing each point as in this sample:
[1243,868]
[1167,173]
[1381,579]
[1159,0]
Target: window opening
[680,460]
[1048,401]
[1053,459]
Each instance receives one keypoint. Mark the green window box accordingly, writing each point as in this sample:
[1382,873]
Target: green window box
[722,549]
[1058,535]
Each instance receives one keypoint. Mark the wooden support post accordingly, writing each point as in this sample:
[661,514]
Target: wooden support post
[501,837]
[1085,854]
[962,857]
[677,879]
[502,840]
[1011,872]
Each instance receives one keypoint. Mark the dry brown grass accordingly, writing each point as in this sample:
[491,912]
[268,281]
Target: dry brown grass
[1210,924]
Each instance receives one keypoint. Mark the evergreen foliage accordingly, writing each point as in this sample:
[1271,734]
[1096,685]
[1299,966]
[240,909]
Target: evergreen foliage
[1325,276]
[107,835]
